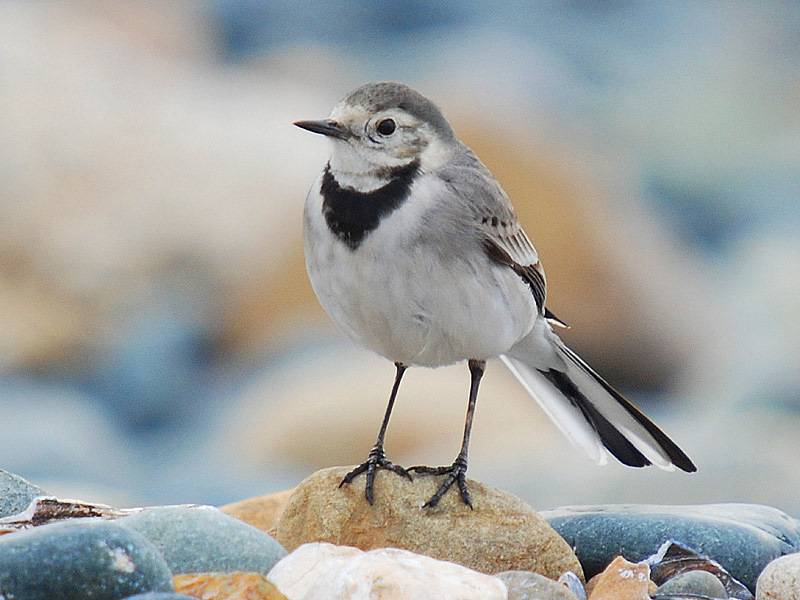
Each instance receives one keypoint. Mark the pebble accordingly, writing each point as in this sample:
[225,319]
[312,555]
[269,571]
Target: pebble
[743,538]
[227,586]
[622,580]
[79,559]
[201,539]
[160,596]
[694,582]
[262,511]
[321,571]
[16,493]
[524,585]
[502,533]
[780,580]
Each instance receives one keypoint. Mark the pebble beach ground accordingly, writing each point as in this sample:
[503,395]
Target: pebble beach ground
[318,542]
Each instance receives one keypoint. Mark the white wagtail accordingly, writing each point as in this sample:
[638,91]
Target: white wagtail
[415,251]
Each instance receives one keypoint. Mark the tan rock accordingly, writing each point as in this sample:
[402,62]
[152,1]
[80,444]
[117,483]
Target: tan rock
[621,580]
[780,579]
[503,533]
[652,587]
[321,571]
[260,511]
[226,586]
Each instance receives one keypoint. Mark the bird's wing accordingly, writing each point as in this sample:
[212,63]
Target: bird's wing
[497,248]
[492,215]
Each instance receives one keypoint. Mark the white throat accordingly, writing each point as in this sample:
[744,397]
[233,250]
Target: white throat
[353,171]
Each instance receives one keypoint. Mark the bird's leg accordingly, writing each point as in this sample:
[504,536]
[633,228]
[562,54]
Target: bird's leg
[377,458]
[456,473]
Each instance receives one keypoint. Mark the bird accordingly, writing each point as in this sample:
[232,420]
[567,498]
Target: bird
[415,251]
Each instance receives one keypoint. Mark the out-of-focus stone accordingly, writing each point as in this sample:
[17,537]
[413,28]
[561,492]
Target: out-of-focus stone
[780,580]
[160,596]
[201,539]
[524,585]
[262,511]
[227,586]
[743,538]
[322,571]
[502,533]
[16,493]
[622,580]
[267,423]
[694,582]
[79,559]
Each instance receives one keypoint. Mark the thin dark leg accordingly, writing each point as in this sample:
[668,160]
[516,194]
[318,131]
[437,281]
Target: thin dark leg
[456,473]
[377,458]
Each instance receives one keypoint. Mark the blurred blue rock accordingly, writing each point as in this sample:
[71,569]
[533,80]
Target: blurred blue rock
[202,539]
[743,538]
[154,374]
[160,596]
[16,493]
[79,559]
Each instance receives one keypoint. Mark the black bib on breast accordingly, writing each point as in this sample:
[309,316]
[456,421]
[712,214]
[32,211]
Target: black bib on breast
[351,214]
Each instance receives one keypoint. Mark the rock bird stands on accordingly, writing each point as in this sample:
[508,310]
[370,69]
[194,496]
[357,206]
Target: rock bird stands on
[415,251]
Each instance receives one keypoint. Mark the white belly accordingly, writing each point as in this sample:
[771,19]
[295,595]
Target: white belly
[410,303]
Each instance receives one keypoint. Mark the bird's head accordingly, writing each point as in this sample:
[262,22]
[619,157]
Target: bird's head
[385,126]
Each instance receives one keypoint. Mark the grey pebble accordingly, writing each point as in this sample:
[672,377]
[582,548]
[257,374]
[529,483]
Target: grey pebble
[202,539]
[526,585]
[743,538]
[16,493]
[80,559]
[694,582]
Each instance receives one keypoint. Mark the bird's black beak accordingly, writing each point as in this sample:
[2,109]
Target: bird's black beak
[327,127]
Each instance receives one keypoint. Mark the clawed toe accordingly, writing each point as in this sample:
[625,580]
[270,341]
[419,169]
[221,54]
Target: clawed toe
[375,462]
[455,473]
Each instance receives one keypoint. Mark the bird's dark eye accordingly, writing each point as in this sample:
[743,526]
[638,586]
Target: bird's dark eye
[386,127]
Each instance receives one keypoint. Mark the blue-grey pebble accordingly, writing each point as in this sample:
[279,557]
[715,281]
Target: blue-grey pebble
[80,559]
[202,539]
[160,596]
[16,493]
[701,583]
[743,538]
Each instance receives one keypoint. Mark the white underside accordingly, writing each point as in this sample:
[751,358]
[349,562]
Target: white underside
[405,301]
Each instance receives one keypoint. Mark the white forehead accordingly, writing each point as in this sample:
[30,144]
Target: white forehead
[353,113]
[348,113]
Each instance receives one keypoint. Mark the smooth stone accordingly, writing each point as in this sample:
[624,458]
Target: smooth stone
[227,586]
[622,580]
[261,512]
[321,571]
[160,596]
[573,583]
[780,580]
[694,582]
[201,539]
[502,533]
[524,585]
[79,559]
[652,587]
[743,538]
[16,493]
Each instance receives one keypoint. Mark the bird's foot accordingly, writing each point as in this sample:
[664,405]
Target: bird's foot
[455,473]
[375,461]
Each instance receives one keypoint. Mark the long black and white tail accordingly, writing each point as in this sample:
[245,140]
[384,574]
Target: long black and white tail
[586,408]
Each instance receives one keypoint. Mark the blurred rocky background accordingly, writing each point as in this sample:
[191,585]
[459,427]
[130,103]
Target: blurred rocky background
[159,342]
